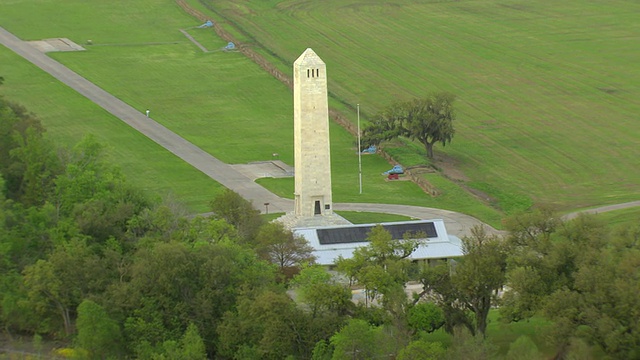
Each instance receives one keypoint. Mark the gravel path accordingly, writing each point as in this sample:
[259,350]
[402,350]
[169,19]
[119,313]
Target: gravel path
[457,224]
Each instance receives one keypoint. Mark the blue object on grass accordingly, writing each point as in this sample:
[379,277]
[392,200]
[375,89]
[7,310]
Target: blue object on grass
[370,150]
[209,23]
[397,169]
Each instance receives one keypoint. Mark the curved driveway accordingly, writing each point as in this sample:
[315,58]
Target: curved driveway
[457,224]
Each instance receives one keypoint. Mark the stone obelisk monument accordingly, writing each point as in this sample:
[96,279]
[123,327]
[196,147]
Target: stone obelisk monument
[311,137]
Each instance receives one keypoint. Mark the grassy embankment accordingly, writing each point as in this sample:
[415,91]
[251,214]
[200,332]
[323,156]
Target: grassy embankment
[69,116]
[220,101]
[547,93]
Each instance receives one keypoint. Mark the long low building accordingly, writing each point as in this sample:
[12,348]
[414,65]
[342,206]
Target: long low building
[331,242]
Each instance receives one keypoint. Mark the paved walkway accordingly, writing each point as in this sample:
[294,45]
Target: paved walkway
[602,209]
[457,224]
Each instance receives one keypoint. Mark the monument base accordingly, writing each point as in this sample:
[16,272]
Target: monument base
[291,221]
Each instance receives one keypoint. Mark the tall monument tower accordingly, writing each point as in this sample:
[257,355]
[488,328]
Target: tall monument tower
[311,137]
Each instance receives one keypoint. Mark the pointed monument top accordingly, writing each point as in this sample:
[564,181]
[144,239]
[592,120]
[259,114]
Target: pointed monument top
[309,57]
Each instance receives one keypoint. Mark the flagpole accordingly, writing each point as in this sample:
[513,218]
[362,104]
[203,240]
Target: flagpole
[359,151]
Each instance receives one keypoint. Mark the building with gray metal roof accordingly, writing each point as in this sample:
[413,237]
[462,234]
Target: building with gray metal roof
[330,242]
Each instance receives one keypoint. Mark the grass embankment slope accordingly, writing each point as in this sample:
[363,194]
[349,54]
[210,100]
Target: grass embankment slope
[547,92]
[220,101]
[69,116]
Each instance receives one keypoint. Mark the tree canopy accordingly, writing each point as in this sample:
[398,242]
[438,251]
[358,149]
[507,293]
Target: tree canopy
[467,289]
[580,274]
[88,260]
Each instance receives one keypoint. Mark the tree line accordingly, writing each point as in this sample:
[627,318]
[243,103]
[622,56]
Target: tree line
[88,258]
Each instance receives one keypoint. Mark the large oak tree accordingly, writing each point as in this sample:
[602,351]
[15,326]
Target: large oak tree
[428,120]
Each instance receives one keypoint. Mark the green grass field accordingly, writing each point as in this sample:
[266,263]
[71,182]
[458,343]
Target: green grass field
[621,217]
[220,101]
[69,116]
[547,94]
[363,217]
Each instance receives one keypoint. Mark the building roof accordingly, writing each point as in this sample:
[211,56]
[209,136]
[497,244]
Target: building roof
[330,242]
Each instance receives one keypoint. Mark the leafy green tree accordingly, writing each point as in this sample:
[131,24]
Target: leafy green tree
[470,286]
[16,313]
[26,235]
[425,316]
[319,290]
[96,194]
[465,346]
[173,284]
[322,351]
[356,340]
[480,274]
[428,120]
[281,247]
[523,349]
[192,345]
[382,266]
[5,242]
[437,282]
[268,323]
[422,350]
[57,285]
[33,232]
[98,334]
[581,275]
[36,164]
[15,124]
[231,207]
[165,222]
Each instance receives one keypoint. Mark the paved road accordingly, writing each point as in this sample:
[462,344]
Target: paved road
[457,224]
[602,209]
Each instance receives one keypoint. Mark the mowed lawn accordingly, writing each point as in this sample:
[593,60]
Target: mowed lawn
[548,95]
[69,116]
[218,100]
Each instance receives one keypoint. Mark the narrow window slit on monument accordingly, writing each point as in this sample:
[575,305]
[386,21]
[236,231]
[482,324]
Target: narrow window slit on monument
[308,73]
